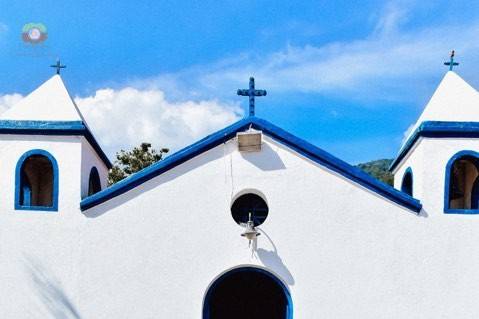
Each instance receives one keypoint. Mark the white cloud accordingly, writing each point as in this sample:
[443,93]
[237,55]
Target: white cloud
[395,62]
[382,66]
[8,100]
[392,63]
[300,29]
[3,30]
[393,16]
[3,27]
[126,117]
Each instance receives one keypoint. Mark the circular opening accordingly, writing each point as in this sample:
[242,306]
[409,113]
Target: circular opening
[249,204]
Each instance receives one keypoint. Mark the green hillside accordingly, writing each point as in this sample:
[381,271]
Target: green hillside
[378,169]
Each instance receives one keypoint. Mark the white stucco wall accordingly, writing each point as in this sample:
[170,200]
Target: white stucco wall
[163,243]
[343,251]
[36,243]
[152,252]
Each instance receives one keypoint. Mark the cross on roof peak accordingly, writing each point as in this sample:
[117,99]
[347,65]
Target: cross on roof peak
[251,93]
[58,66]
[451,62]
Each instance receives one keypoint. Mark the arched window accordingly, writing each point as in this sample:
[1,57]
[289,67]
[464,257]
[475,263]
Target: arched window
[36,181]
[406,185]
[94,185]
[461,185]
[247,292]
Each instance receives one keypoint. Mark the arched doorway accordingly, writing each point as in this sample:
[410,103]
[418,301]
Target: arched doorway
[247,292]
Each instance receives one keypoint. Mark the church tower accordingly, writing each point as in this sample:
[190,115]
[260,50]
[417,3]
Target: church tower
[50,159]
[439,161]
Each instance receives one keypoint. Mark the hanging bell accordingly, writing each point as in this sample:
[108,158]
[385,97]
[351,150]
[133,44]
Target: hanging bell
[250,232]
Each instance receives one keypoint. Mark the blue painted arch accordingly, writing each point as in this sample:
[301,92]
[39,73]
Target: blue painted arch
[20,185]
[245,269]
[465,154]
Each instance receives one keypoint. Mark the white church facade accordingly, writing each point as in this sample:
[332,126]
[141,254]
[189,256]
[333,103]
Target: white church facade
[328,241]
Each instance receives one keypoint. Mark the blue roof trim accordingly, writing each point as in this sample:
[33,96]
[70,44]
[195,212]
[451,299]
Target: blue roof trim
[436,129]
[64,128]
[304,148]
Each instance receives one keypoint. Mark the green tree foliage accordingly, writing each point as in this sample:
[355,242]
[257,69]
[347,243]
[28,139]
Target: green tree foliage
[129,162]
[379,170]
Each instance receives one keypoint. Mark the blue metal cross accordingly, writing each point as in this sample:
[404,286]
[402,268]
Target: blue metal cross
[451,62]
[58,66]
[251,92]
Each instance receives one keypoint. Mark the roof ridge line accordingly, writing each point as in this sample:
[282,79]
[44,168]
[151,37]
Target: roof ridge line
[302,147]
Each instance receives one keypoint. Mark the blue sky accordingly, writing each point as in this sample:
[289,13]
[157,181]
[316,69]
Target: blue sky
[350,78]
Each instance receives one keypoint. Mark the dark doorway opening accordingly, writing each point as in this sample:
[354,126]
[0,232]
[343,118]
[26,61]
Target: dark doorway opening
[250,293]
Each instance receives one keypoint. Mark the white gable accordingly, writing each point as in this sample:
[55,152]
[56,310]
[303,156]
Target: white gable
[454,100]
[49,102]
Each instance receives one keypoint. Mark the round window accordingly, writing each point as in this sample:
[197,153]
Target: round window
[248,204]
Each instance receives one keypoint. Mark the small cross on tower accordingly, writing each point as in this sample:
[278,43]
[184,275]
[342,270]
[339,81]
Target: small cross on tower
[58,66]
[251,92]
[451,62]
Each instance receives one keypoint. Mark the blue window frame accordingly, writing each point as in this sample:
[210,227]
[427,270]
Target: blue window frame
[461,189]
[248,292]
[407,182]
[94,184]
[36,182]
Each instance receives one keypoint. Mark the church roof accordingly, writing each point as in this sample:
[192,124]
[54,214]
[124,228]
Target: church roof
[300,146]
[49,102]
[49,110]
[454,102]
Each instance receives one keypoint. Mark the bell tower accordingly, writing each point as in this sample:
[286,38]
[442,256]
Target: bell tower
[439,161]
[49,155]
